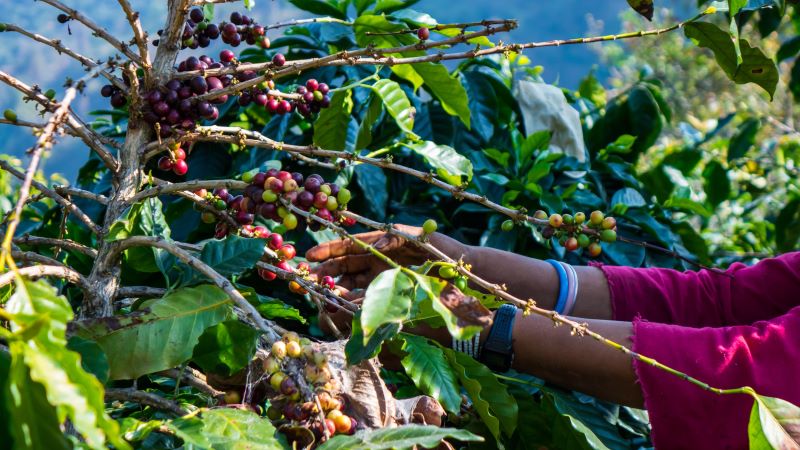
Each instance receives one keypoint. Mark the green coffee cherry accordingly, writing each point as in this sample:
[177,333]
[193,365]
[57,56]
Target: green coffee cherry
[343,196]
[430,226]
[608,235]
[460,283]
[10,115]
[447,272]
[583,240]
[508,225]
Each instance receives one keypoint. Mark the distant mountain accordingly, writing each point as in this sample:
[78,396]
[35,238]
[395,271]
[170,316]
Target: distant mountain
[36,63]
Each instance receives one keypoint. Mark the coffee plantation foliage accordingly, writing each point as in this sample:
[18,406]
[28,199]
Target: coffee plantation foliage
[696,169]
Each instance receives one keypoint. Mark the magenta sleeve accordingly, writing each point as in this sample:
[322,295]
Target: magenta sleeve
[741,295]
[763,356]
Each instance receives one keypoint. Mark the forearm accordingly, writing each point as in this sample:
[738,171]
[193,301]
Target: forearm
[532,278]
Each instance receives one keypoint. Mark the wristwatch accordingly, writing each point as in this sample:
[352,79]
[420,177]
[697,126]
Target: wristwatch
[497,352]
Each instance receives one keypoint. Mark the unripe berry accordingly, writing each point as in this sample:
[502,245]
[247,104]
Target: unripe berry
[343,197]
[460,283]
[269,196]
[571,244]
[248,176]
[609,223]
[290,221]
[293,349]
[332,204]
[507,225]
[333,414]
[539,214]
[296,288]
[568,219]
[430,226]
[232,397]
[580,218]
[556,220]
[447,272]
[594,249]
[596,218]
[608,235]
[274,413]
[271,365]
[326,188]
[208,217]
[583,240]
[289,185]
[279,349]
[331,426]
[276,379]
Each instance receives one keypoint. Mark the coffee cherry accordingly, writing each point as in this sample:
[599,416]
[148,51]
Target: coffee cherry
[196,14]
[596,218]
[507,225]
[447,272]
[343,424]
[333,414]
[580,218]
[430,226]
[460,283]
[279,60]
[269,196]
[548,232]
[267,275]
[331,426]
[556,220]
[179,153]
[609,223]
[343,197]
[290,221]
[539,214]
[293,349]
[423,34]
[10,115]
[583,240]
[50,94]
[232,397]
[164,163]
[296,288]
[276,380]
[594,249]
[332,204]
[279,349]
[608,235]
[303,268]
[568,219]
[275,241]
[287,252]
[288,387]
[180,168]
[289,185]
[274,413]
[328,281]
[208,217]
[571,244]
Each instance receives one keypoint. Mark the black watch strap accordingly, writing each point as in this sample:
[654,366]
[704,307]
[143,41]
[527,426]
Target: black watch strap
[497,352]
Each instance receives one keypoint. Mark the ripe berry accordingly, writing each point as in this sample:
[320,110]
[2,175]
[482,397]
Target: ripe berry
[279,60]
[323,88]
[179,153]
[571,244]
[333,414]
[328,281]
[267,275]
[279,349]
[331,426]
[287,252]
[343,424]
[608,235]
[264,42]
[430,226]
[594,249]
[196,14]
[609,223]
[556,220]
[423,34]
[180,168]
[288,387]
[275,241]
[596,218]
[295,287]
[507,225]
[164,163]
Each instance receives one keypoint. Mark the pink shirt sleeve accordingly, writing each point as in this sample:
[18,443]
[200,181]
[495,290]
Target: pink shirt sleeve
[740,296]
[756,342]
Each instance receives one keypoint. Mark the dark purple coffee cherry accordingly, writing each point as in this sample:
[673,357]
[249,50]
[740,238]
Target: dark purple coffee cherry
[236,18]
[323,88]
[199,85]
[118,100]
[278,60]
[63,18]
[161,109]
[213,83]
[185,92]
[212,31]
[185,105]
[107,90]
[196,14]
[154,97]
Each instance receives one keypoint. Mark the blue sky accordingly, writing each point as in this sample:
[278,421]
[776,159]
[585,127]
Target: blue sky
[37,64]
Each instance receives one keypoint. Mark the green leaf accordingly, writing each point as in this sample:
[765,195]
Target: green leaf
[226,348]
[756,67]
[319,7]
[357,349]
[32,422]
[431,372]
[449,164]
[378,24]
[428,294]
[397,103]
[592,90]
[142,219]
[227,429]
[717,185]
[774,424]
[447,89]
[388,300]
[270,308]
[93,359]
[160,336]
[76,394]
[230,256]
[496,407]
[744,138]
[372,114]
[482,103]
[330,128]
[405,437]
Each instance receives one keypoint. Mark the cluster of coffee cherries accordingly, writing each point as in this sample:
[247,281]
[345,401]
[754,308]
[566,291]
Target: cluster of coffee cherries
[301,356]
[199,32]
[176,161]
[575,232]
[118,99]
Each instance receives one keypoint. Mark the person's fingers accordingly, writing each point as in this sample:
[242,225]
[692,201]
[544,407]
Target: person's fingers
[348,282]
[342,247]
[343,265]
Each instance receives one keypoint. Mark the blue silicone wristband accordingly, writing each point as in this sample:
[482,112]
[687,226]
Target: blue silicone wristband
[563,285]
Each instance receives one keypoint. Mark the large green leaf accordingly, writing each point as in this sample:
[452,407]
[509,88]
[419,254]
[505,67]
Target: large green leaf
[387,300]
[371,115]
[397,103]
[269,307]
[449,164]
[40,322]
[143,219]
[755,67]
[717,185]
[320,8]
[226,348]
[93,359]
[428,295]
[400,438]
[330,128]
[447,89]
[357,350]
[230,256]
[161,335]
[496,407]
[774,424]
[432,374]
[227,429]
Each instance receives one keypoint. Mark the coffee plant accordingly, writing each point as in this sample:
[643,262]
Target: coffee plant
[164,300]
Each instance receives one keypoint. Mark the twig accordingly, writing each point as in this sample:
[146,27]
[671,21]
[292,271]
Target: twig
[138,34]
[62,243]
[39,271]
[75,192]
[98,30]
[194,379]
[169,44]
[144,398]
